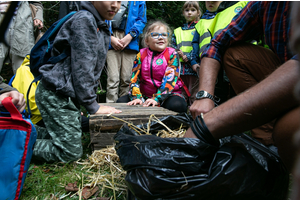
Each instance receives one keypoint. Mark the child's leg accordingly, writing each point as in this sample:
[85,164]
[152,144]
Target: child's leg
[123,99]
[63,122]
[16,62]
[192,83]
[113,60]
[176,103]
[128,57]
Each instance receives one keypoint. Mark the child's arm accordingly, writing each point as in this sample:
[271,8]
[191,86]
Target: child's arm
[138,25]
[195,52]
[173,42]
[134,87]
[169,80]
[174,45]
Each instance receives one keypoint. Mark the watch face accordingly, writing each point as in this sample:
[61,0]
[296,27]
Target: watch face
[200,94]
[133,34]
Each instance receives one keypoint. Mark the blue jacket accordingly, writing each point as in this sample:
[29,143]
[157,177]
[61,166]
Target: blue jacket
[136,22]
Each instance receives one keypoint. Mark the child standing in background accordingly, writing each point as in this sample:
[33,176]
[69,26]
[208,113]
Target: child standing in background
[124,45]
[182,42]
[154,79]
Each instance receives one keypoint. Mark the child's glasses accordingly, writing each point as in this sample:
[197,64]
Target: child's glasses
[156,35]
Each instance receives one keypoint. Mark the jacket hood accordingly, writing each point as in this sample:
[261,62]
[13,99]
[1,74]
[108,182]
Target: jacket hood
[87,5]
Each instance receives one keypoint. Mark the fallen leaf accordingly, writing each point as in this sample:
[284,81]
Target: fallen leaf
[87,192]
[71,187]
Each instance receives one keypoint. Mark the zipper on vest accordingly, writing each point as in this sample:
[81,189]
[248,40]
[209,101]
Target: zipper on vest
[152,71]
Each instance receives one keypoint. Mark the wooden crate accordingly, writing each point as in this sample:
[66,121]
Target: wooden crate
[104,127]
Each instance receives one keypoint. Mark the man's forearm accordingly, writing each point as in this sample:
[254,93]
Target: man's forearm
[260,104]
[208,73]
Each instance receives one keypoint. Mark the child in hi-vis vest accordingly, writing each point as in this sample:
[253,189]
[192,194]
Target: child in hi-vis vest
[182,42]
[155,73]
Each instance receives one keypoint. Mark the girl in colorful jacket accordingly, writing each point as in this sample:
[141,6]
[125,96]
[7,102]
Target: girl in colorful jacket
[155,73]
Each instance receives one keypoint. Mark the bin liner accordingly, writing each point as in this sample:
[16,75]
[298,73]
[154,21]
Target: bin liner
[187,168]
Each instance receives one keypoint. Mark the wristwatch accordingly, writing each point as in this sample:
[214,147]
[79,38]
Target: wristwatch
[203,94]
[133,34]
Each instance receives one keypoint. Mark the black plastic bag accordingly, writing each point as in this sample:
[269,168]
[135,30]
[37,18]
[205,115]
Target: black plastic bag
[185,168]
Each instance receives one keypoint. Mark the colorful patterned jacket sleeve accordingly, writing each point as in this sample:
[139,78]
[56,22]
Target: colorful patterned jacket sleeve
[169,80]
[134,91]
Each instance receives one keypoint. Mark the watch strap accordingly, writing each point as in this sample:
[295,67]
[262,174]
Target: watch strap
[133,34]
[215,99]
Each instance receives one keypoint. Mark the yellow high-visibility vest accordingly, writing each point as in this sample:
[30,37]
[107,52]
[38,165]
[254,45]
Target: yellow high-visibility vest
[21,82]
[222,19]
[204,34]
[184,40]
[208,28]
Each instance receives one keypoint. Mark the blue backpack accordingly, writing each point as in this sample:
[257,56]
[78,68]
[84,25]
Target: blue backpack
[41,52]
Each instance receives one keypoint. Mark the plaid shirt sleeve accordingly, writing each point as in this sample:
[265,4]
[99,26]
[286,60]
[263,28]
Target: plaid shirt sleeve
[245,26]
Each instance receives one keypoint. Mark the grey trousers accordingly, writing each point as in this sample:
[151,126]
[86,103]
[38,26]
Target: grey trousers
[61,139]
[5,52]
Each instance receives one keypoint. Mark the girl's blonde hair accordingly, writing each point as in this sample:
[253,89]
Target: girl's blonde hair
[194,4]
[149,28]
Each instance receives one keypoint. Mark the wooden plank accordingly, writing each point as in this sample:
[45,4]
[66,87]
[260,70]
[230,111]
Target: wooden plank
[101,140]
[114,124]
[132,114]
[137,111]
[103,127]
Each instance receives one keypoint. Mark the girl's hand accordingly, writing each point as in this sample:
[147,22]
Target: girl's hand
[107,110]
[116,43]
[180,53]
[196,68]
[185,58]
[135,102]
[150,102]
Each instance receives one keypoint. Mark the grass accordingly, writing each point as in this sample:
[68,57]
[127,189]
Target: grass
[48,181]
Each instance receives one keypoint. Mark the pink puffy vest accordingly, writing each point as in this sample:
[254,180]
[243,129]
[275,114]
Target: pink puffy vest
[152,72]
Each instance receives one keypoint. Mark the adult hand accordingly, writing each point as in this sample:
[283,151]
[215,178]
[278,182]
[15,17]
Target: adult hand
[17,99]
[135,102]
[126,40]
[38,23]
[116,43]
[201,106]
[150,102]
[107,110]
